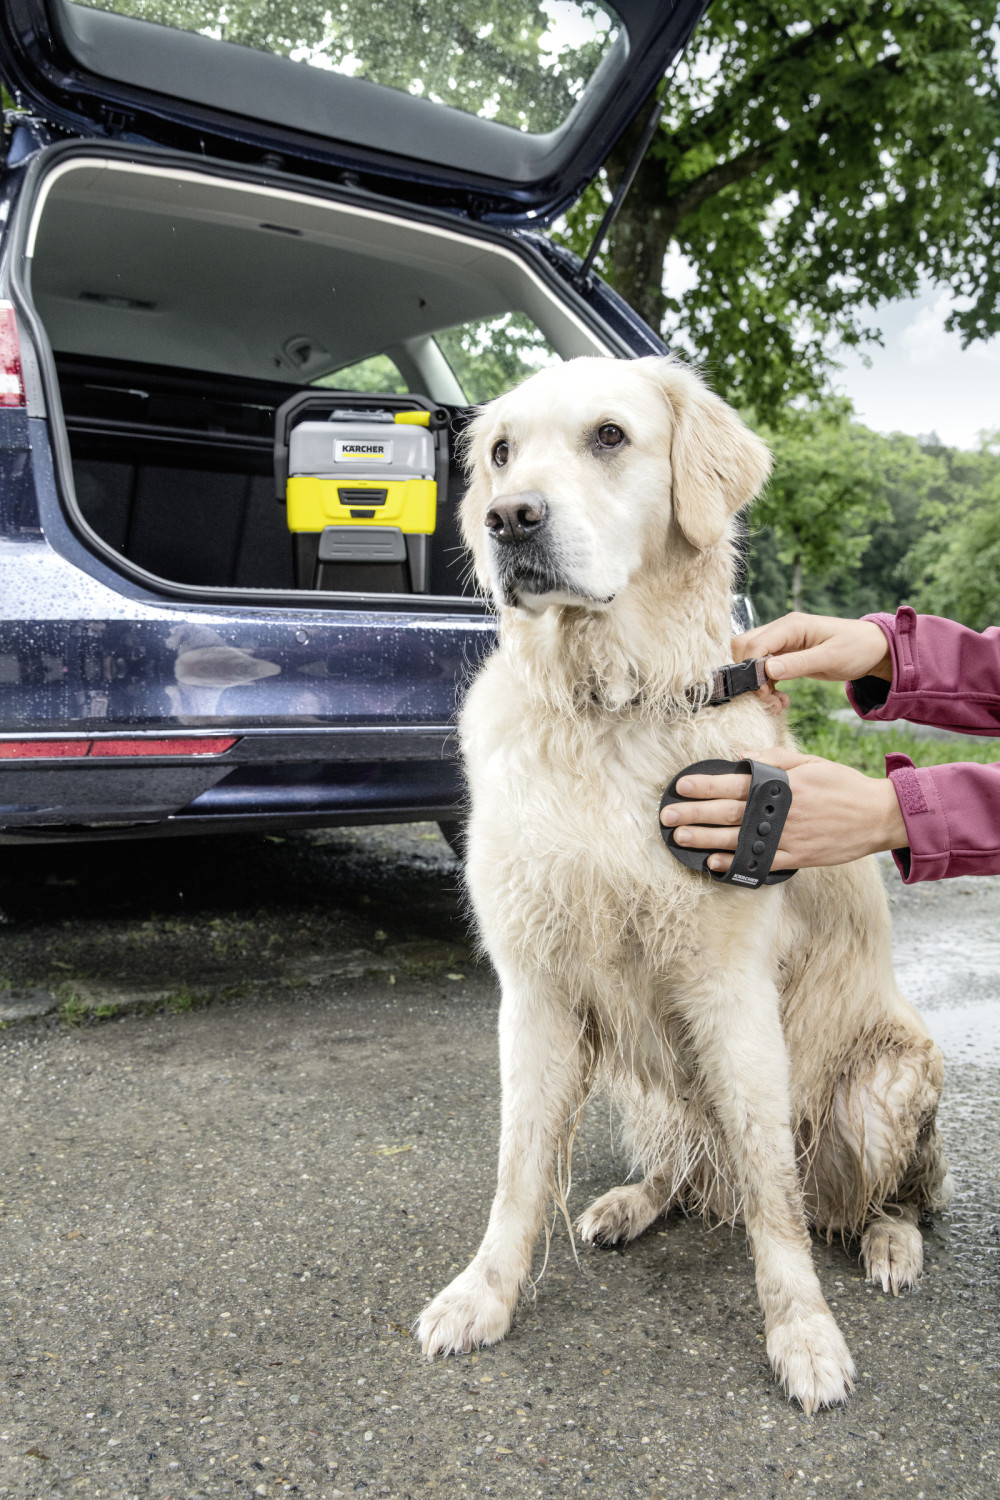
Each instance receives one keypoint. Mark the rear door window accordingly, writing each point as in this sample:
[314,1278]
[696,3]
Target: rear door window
[493,355]
[378,373]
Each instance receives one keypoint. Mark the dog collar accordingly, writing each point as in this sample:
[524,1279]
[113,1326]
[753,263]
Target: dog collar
[728,682]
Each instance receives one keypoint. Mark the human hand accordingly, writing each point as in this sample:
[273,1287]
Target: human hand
[836,815]
[820,646]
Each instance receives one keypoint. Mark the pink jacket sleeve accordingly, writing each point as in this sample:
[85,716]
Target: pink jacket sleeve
[947,675]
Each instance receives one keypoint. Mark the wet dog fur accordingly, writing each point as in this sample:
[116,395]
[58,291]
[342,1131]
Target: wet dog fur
[765,1065]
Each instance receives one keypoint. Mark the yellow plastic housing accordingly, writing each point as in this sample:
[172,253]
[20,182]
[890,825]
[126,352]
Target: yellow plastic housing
[413,418]
[410,504]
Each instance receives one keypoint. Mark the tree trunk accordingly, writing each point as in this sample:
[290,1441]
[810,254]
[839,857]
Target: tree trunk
[650,217]
[640,240]
[641,234]
[797,581]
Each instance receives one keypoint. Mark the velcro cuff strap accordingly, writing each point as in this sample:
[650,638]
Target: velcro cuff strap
[768,801]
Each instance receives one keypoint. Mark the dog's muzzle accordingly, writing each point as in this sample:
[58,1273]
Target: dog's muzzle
[519,536]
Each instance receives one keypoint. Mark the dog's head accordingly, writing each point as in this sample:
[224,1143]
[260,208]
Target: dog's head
[591,469]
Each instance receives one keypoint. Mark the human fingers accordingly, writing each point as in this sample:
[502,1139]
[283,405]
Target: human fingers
[821,646]
[719,863]
[789,632]
[773,701]
[698,837]
[821,662]
[734,786]
[716,813]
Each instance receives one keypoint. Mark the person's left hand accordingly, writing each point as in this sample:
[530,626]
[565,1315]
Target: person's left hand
[837,813]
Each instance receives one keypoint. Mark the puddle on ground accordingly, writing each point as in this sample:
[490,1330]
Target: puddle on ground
[968,1033]
[947,961]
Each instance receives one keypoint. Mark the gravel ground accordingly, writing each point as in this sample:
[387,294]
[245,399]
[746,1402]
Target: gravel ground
[249,1101]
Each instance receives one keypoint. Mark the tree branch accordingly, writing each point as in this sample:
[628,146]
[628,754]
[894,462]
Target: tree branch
[722,116]
[722,175]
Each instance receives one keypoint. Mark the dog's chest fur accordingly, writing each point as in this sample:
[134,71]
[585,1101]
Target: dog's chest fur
[565,842]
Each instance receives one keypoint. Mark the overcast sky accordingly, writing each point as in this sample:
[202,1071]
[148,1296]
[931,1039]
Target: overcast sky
[922,381]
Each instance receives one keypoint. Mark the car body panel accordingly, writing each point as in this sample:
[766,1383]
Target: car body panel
[98,75]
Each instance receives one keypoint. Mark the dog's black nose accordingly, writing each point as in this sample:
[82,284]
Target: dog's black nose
[512,518]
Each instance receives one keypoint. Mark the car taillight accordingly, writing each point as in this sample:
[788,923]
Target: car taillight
[176,746]
[42,749]
[11,381]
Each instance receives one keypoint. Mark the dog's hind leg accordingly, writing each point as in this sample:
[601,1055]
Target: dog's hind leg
[541,1066]
[892,1248]
[878,1163]
[731,1009]
[625,1212]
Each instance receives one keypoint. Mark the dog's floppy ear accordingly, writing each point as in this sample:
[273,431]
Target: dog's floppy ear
[718,464]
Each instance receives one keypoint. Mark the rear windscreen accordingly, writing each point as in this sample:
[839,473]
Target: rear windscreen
[520,63]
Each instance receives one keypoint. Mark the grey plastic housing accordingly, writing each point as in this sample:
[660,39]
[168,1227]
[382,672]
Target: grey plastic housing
[361,449]
[362,544]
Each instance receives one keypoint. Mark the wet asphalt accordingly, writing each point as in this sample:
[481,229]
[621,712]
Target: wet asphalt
[249,1102]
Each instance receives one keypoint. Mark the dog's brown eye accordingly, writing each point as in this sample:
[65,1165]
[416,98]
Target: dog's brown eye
[501,453]
[610,436]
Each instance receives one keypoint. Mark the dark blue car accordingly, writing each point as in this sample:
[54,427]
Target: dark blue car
[205,213]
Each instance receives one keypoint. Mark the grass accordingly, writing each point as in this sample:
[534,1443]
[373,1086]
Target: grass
[72,1009]
[75,1010]
[866,749]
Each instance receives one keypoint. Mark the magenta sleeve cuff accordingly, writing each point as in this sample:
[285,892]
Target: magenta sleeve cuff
[952,818]
[942,673]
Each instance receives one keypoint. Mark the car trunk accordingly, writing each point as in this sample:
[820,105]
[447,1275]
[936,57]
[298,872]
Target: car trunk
[183,308]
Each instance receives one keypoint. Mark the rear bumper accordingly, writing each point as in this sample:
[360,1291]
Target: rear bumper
[265,778]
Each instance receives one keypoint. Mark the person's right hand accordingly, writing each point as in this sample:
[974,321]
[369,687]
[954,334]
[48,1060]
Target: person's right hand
[820,646]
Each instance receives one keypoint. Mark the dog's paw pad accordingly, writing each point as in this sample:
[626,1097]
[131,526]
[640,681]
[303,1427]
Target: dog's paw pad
[810,1358]
[469,1312]
[892,1252]
[618,1216]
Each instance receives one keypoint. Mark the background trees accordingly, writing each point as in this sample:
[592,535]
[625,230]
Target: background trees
[875,521]
[954,566]
[813,159]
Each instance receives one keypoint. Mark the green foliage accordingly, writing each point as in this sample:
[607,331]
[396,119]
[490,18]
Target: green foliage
[853,745]
[375,374]
[813,158]
[182,1002]
[876,521]
[490,357]
[825,494]
[71,1008]
[485,57]
[866,749]
[812,703]
[956,562]
[912,475]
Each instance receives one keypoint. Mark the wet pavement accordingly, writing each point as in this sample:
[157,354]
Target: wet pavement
[248,1096]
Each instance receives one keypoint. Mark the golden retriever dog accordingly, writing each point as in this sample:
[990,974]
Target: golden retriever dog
[766,1067]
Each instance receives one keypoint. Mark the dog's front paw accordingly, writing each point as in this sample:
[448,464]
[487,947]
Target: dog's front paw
[810,1358]
[467,1313]
[619,1216]
[892,1252]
